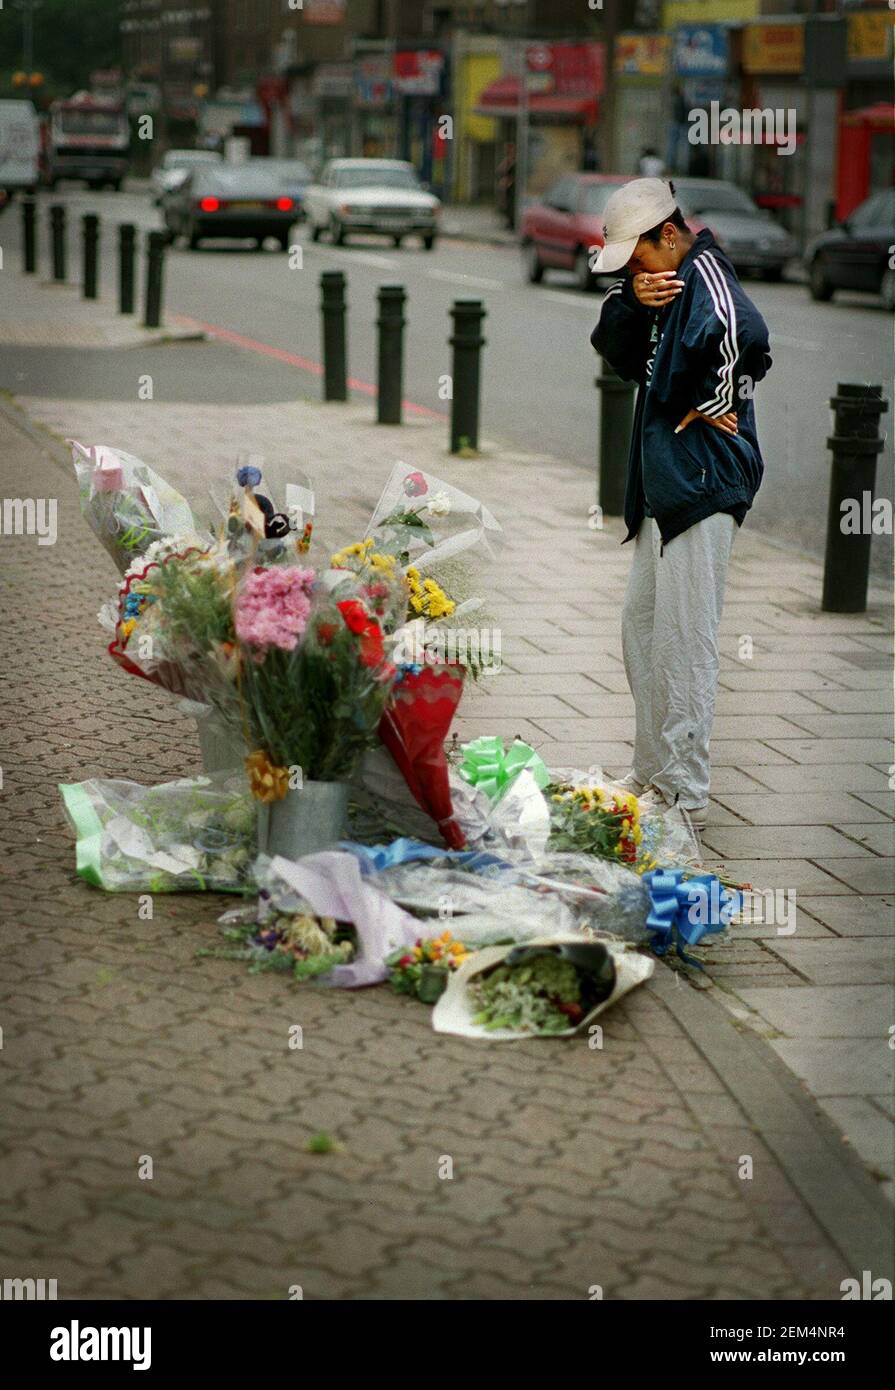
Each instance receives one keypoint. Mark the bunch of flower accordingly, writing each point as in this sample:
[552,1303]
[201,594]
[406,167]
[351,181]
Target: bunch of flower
[540,995]
[427,598]
[301,944]
[595,820]
[410,971]
[382,588]
[315,675]
[405,526]
[174,624]
[273,607]
[126,503]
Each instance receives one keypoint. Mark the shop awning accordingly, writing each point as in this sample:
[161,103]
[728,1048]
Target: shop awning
[501,98]
[880,116]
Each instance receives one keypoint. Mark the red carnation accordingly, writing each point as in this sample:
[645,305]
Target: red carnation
[415,485]
[355,615]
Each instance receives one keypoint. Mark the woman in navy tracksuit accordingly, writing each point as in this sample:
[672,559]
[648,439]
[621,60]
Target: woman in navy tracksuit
[680,325]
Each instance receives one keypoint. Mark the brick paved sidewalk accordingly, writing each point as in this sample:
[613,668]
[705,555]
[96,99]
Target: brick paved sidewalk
[39,312]
[572,1168]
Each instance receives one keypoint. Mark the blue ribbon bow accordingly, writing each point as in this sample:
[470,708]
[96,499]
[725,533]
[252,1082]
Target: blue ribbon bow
[687,909]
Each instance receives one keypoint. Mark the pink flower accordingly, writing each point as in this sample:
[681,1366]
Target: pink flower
[272,609]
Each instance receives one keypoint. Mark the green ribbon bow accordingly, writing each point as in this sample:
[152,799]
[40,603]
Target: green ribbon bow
[486,765]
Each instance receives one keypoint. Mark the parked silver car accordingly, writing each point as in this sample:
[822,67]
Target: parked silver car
[371,195]
[752,239]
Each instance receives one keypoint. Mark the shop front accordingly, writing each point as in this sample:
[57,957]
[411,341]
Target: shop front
[641,92]
[866,131]
[333,89]
[375,119]
[420,77]
[475,63]
[564,84]
[700,63]
[773,62]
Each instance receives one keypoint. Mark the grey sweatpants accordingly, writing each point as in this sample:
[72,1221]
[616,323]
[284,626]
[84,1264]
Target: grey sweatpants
[670,621]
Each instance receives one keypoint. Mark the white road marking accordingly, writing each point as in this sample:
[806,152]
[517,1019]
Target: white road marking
[353,257]
[456,277]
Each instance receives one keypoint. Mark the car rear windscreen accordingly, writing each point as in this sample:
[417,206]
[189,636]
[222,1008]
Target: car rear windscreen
[236,181]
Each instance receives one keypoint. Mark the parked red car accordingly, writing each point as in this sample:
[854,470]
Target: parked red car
[561,231]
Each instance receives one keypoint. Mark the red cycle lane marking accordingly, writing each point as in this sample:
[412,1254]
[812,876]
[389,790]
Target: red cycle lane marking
[293,359]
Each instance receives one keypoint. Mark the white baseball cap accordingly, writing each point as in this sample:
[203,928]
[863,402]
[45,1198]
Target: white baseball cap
[632,210]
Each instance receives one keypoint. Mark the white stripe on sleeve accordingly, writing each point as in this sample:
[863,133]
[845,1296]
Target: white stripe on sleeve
[722,400]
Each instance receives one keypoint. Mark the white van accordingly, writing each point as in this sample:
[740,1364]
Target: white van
[19,146]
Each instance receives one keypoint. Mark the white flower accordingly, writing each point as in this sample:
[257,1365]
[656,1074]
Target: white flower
[439,504]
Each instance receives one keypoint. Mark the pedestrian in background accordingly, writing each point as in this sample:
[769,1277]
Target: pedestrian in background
[680,325]
[506,184]
[651,165]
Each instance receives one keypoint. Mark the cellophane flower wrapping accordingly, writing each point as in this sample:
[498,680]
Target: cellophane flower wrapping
[425,521]
[195,834]
[559,894]
[594,815]
[413,728]
[315,669]
[459,1006]
[126,504]
[175,627]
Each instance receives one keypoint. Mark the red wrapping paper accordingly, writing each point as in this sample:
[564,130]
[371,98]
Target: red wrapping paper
[414,728]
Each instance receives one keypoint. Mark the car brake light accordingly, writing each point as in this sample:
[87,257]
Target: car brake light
[209,204]
[284,204]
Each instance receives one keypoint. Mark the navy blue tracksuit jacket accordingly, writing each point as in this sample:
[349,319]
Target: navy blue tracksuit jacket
[704,351]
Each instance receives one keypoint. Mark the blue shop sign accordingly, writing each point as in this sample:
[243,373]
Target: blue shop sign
[701,50]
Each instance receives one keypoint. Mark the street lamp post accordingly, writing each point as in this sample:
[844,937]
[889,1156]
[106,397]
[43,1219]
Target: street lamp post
[522,132]
[27,7]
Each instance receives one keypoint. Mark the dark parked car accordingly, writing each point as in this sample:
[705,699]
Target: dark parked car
[292,176]
[856,254]
[562,230]
[231,200]
[754,242]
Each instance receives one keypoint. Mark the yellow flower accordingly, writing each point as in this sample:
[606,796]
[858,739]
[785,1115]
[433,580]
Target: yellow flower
[266,782]
[127,627]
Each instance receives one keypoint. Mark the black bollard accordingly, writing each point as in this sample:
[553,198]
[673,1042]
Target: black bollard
[127,243]
[616,423]
[29,242]
[155,255]
[467,342]
[855,443]
[335,351]
[57,240]
[391,323]
[90,263]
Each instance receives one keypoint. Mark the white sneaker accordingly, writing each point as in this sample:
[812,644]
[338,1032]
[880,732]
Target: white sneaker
[629,783]
[655,799]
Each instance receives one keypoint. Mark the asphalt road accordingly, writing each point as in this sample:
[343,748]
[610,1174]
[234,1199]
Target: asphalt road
[539,368]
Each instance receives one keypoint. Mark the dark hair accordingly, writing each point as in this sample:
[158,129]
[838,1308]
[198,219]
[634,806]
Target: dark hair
[677,220]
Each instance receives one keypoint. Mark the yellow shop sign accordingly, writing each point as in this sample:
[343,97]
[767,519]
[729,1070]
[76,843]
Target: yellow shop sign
[773,48]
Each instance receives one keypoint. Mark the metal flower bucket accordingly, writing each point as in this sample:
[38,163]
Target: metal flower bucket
[308,819]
